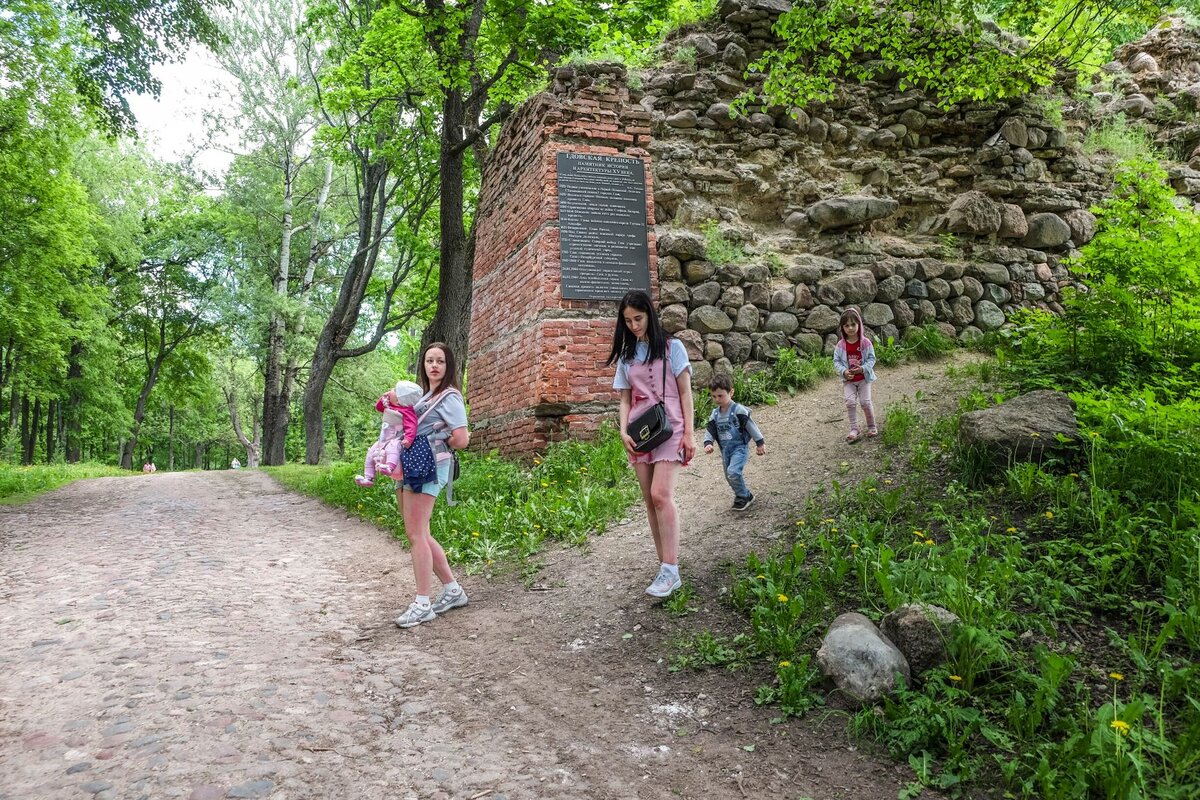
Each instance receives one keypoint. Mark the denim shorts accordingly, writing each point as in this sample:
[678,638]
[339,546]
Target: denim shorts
[434,488]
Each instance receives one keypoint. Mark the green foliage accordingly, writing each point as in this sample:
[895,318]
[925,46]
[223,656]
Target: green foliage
[927,342]
[718,249]
[630,32]
[943,48]
[1121,140]
[504,511]
[22,484]
[1137,322]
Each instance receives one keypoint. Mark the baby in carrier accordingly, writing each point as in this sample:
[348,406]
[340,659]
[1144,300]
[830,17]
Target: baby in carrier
[398,432]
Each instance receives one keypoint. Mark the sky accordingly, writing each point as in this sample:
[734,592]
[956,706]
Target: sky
[173,126]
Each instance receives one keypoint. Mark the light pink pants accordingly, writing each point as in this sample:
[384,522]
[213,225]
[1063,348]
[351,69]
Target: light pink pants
[858,393]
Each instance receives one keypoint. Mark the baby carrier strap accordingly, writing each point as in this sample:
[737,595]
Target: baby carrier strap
[440,425]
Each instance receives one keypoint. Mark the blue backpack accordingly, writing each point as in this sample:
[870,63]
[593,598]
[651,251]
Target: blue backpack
[419,465]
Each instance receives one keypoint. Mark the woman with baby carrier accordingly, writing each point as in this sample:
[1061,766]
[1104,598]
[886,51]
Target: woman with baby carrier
[442,420]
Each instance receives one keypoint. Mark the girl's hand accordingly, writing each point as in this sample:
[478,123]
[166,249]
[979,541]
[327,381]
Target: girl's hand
[627,440]
[762,449]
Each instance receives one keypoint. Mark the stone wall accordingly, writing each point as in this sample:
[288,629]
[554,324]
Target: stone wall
[879,199]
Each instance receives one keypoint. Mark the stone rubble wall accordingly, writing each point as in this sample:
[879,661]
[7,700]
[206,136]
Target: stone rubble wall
[878,199]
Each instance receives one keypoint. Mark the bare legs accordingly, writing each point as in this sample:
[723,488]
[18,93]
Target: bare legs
[658,491]
[428,557]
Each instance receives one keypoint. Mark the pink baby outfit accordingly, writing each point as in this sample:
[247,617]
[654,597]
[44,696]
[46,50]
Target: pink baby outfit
[399,428]
[646,389]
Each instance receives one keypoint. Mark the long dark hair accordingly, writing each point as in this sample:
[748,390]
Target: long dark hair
[449,380]
[624,344]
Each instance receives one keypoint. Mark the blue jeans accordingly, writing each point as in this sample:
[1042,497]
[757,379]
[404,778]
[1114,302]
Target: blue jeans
[734,456]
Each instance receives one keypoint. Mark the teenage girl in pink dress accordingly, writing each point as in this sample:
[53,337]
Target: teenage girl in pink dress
[642,351]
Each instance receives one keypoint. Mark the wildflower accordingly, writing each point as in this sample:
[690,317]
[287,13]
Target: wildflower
[1010,529]
[1120,726]
[783,598]
[956,678]
[854,546]
[833,530]
[1116,676]
[544,484]
[887,481]
[760,577]
[1094,435]
[475,534]
[784,664]
[800,522]
[918,533]
[1035,436]
[871,490]
[829,521]
[537,461]
[929,542]
[1074,475]
[1049,515]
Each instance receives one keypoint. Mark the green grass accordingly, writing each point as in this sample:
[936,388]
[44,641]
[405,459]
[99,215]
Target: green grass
[1076,671]
[505,511]
[22,484]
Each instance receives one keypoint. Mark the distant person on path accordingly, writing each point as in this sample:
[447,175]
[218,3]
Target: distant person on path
[731,427]
[442,417]
[235,464]
[854,360]
[398,431]
[643,352]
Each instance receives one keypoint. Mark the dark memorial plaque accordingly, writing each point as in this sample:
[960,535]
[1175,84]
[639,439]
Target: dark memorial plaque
[602,226]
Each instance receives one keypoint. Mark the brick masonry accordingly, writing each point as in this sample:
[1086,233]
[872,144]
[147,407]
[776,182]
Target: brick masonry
[537,361]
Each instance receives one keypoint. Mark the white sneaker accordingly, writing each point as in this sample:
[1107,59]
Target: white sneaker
[664,584]
[446,601]
[415,615]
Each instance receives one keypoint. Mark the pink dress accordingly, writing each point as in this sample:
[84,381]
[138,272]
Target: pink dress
[646,388]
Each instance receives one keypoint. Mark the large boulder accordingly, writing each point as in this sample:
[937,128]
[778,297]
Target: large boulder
[854,287]
[1012,222]
[822,319]
[843,212]
[709,319]
[1082,224]
[920,631]
[1026,428]
[1046,230]
[860,660]
[683,245]
[974,213]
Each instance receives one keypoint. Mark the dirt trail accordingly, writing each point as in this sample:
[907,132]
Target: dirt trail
[207,635]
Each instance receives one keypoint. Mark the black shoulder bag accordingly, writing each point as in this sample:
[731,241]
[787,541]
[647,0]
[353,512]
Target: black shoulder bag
[651,428]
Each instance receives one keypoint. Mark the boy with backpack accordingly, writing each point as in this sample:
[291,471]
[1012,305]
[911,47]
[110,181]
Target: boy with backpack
[731,427]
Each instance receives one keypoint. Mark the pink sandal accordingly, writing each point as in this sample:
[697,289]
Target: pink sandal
[872,431]
[853,436]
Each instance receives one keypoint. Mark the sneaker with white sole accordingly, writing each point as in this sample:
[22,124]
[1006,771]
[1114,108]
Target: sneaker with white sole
[446,601]
[664,584]
[415,615]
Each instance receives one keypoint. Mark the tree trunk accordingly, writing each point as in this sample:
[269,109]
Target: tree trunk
[252,446]
[139,411]
[171,440]
[339,430]
[74,412]
[276,394]
[451,322]
[199,455]
[344,316]
[26,439]
[51,412]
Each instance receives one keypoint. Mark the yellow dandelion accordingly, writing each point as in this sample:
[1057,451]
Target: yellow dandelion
[475,534]
[871,490]
[1074,475]
[545,485]
[956,678]
[1116,676]
[887,481]
[537,461]
[1010,529]
[929,542]
[785,664]
[1094,435]
[918,533]
[829,521]
[760,577]
[1120,726]
[854,546]
[1035,436]
[783,598]
[800,523]
[833,530]
[1049,515]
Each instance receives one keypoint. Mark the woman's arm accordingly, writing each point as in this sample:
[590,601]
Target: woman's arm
[623,419]
[686,404]
[459,438]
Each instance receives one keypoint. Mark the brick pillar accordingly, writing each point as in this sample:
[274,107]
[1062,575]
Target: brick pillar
[536,370]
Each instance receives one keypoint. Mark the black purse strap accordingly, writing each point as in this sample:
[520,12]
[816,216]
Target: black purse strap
[666,364]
